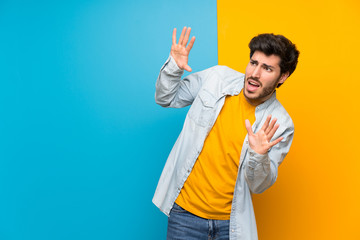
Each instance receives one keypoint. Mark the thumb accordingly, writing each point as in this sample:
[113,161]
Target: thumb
[188,68]
[248,127]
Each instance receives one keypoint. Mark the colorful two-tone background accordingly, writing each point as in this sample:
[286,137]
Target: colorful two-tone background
[82,143]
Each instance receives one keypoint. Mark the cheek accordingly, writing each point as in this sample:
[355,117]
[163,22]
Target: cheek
[247,70]
[271,81]
[271,76]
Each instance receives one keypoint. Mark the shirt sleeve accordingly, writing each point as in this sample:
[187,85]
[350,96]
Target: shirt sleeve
[172,91]
[261,169]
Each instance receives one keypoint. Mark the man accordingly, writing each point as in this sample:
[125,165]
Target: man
[234,137]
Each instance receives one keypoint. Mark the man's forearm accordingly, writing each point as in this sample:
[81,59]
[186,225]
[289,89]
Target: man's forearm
[172,91]
[259,173]
[168,83]
[261,169]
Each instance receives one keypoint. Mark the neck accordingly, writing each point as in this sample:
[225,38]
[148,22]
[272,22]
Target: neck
[257,101]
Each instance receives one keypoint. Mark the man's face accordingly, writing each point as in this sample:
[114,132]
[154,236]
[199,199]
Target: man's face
[262,75]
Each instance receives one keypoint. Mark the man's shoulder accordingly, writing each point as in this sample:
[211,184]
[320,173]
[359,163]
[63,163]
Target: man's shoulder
[225,70]
[223,73]
[282,115]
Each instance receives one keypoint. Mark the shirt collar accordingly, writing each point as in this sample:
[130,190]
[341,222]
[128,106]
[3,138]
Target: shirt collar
[267,102]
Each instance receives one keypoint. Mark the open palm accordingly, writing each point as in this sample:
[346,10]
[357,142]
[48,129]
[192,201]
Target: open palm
[260,141]
[179,51]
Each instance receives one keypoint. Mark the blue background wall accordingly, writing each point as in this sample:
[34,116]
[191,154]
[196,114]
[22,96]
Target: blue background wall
[82,143]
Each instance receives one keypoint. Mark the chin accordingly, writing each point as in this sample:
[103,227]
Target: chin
[250,95]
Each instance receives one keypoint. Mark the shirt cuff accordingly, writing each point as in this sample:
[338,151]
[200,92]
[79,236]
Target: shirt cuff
[260,158]
[171,66]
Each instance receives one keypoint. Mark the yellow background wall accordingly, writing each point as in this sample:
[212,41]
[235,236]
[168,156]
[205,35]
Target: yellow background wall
[316,195]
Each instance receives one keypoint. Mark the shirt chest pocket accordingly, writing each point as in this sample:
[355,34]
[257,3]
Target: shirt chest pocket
[202,111]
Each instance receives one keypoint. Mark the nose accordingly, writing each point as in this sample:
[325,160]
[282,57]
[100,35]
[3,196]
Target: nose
[256,72]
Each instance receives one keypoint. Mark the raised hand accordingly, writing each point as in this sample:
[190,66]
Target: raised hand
[180,52]
[260,141]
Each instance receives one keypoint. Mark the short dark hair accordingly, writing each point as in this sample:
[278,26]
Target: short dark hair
[279,45]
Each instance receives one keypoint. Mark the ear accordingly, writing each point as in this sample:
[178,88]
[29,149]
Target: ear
[283,77]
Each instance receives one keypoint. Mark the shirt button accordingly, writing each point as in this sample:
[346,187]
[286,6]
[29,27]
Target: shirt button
[188,171]
[232,230]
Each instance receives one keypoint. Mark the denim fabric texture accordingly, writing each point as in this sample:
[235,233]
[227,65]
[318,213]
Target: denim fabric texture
[205,91]
[183,225]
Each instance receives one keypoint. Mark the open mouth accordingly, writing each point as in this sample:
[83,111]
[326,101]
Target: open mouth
[253,85]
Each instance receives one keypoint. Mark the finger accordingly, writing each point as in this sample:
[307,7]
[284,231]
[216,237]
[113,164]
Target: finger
[248,127]
[174,37]
[273,143]
[188,68]
[270,127]
[187,35]
[182,36]
[266,123]
[191,44]
[272,132]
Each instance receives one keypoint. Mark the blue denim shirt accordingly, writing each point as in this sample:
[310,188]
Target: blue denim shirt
[205,91]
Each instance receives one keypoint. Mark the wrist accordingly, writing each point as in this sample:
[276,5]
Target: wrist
[174,66]
[255,156]
[260,151]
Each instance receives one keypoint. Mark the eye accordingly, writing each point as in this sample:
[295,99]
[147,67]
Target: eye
[268,69]
[253,63]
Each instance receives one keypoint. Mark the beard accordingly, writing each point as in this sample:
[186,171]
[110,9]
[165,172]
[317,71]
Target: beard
[265,91]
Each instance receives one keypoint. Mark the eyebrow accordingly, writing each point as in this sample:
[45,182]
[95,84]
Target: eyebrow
[268,66]
[265,65]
